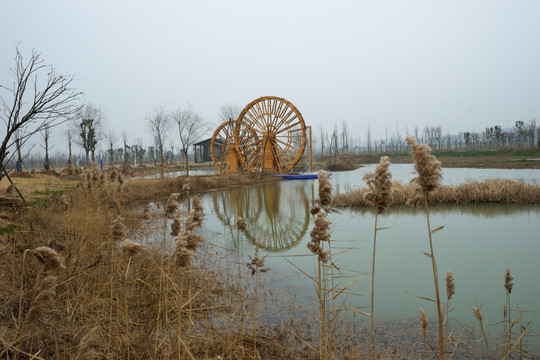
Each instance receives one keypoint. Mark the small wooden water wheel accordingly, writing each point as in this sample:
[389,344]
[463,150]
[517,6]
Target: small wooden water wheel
[268,136]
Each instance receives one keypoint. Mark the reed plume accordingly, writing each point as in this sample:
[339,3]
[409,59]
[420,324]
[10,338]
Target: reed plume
[478,315]
[424,323]
[195,216]
[175,227]
[186,188]
[118,229]
[379,183]
[426,165]
[241,224]
[49,257]
[114,175]
[194,240]
[428,169]
[319,234]
[172,207]
[450,285]
[450,291]
[146,211]
[508,281]
[89,345]
[256,264]
[43,301]
[132,248]
[379,196]
[325,189]
[508,285]
[182,255]
[64,202]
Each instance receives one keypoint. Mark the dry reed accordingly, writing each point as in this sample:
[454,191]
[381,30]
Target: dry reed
[132,248]
[172,207]
[429,174]
[182,255]
[43,301]
[118,229]
[49,257]
[319,234]
[241,224]
[146,211]
[325,189]
[10,191]
[475,192]
[89,345]
[424,324]
[450,291]
[379,196]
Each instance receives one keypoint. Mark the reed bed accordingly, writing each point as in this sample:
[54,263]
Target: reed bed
[87,278]
[475,192]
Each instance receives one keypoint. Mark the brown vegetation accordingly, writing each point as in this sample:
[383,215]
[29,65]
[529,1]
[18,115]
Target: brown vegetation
[73,286]
[486,191]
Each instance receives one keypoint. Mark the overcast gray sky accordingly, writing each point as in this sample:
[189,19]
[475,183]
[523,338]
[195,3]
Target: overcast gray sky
[463,65]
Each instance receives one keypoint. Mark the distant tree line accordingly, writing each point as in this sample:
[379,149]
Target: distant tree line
[339,141]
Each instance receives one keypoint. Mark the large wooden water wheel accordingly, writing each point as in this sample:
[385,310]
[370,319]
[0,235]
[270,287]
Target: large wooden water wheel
[268,136]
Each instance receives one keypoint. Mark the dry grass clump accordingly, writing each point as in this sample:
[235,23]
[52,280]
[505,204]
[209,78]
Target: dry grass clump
[10,191]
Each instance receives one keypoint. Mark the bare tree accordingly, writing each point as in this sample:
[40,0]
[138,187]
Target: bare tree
[39,97]
[158,124]
[323,136]
[111,138]
[126,146]
[68,133]
[368,140]
[46,136]
[531,132]
[139,150]
[344,137]
[89,128]
[229,112]
[191,128]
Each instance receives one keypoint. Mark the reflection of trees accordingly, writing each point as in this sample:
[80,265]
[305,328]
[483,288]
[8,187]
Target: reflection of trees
[488,210]
[279,219]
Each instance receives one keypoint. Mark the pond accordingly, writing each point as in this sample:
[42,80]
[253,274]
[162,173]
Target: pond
[477,244]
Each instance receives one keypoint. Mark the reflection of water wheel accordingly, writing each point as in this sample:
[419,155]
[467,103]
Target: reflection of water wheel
[269,136]
[281,229]
[276,228]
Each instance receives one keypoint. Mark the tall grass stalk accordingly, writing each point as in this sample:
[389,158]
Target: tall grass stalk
[319,235]
[379,195]
[428,169]
[508,285]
